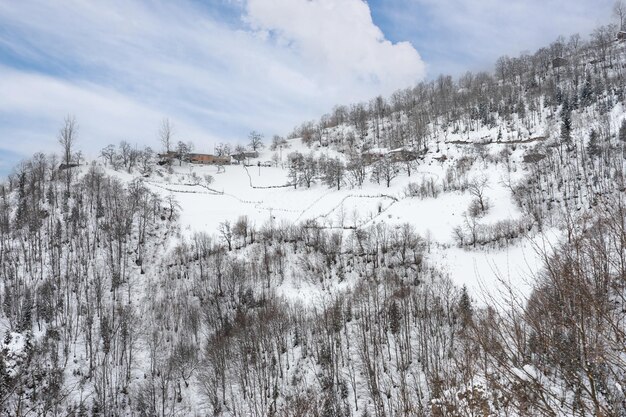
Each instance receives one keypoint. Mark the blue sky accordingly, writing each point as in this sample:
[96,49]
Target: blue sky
[220,68]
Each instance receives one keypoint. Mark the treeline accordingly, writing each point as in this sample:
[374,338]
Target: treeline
[353,171]
[103,323]
[561,103]
[402,340]
[567,177]
[130,157]
[519,98]
[71,247]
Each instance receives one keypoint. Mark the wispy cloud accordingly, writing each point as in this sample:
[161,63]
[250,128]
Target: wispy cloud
[120,66]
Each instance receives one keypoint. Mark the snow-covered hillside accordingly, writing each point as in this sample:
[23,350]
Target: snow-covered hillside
[263,194]
[458,249]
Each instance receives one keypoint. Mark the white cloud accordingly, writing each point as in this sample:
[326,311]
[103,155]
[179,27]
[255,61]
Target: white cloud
[339,40]
[122,65]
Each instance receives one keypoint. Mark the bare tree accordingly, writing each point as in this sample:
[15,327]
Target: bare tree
[183,150]
[166,134]
[222,149]
[357,170]
[239,153]
[109,155]
[477,189]
[296,162]
[385,170]
[127,155]
[333,171]
[255,141]
[602,38]
[67,138]
[226,232]
[277,142]
[309,170]
[146,160]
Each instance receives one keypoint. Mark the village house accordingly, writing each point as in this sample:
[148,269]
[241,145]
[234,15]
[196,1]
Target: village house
[195,158]
[208,159]
[559,62]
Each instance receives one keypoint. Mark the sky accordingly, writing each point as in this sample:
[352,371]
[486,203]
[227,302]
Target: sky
[218,69]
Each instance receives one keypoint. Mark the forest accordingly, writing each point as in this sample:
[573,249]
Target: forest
[112,311]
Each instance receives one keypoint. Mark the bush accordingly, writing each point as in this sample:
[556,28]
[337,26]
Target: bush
[427,188]
[500,234]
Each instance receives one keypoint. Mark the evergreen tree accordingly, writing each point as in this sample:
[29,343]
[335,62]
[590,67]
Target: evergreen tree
[50,196]
[559,96]
[593,147]
[27,311]
[520,109]
[466,312]
[5,378]
[566,122]
[619,94]
[586,93]
[394,318]
[7,304]
[573,104]
[599,88]
[622,131]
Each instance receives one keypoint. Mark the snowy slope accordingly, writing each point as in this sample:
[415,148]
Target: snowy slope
[248,191]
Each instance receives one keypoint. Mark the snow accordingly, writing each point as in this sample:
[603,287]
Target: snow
[434,217]
[494,274]
[14,348]
[263,194]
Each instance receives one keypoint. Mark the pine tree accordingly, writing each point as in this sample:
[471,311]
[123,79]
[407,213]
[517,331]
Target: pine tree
[5,378]
[466,312]
[394,318]
[7,304]
[593,147]
[622,131]
[599,88]
[520,109]
[586,93]
[559,96]
[566,122]
[50,196]
[27,311]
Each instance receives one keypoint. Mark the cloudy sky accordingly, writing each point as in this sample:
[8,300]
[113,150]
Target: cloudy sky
[220,68]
